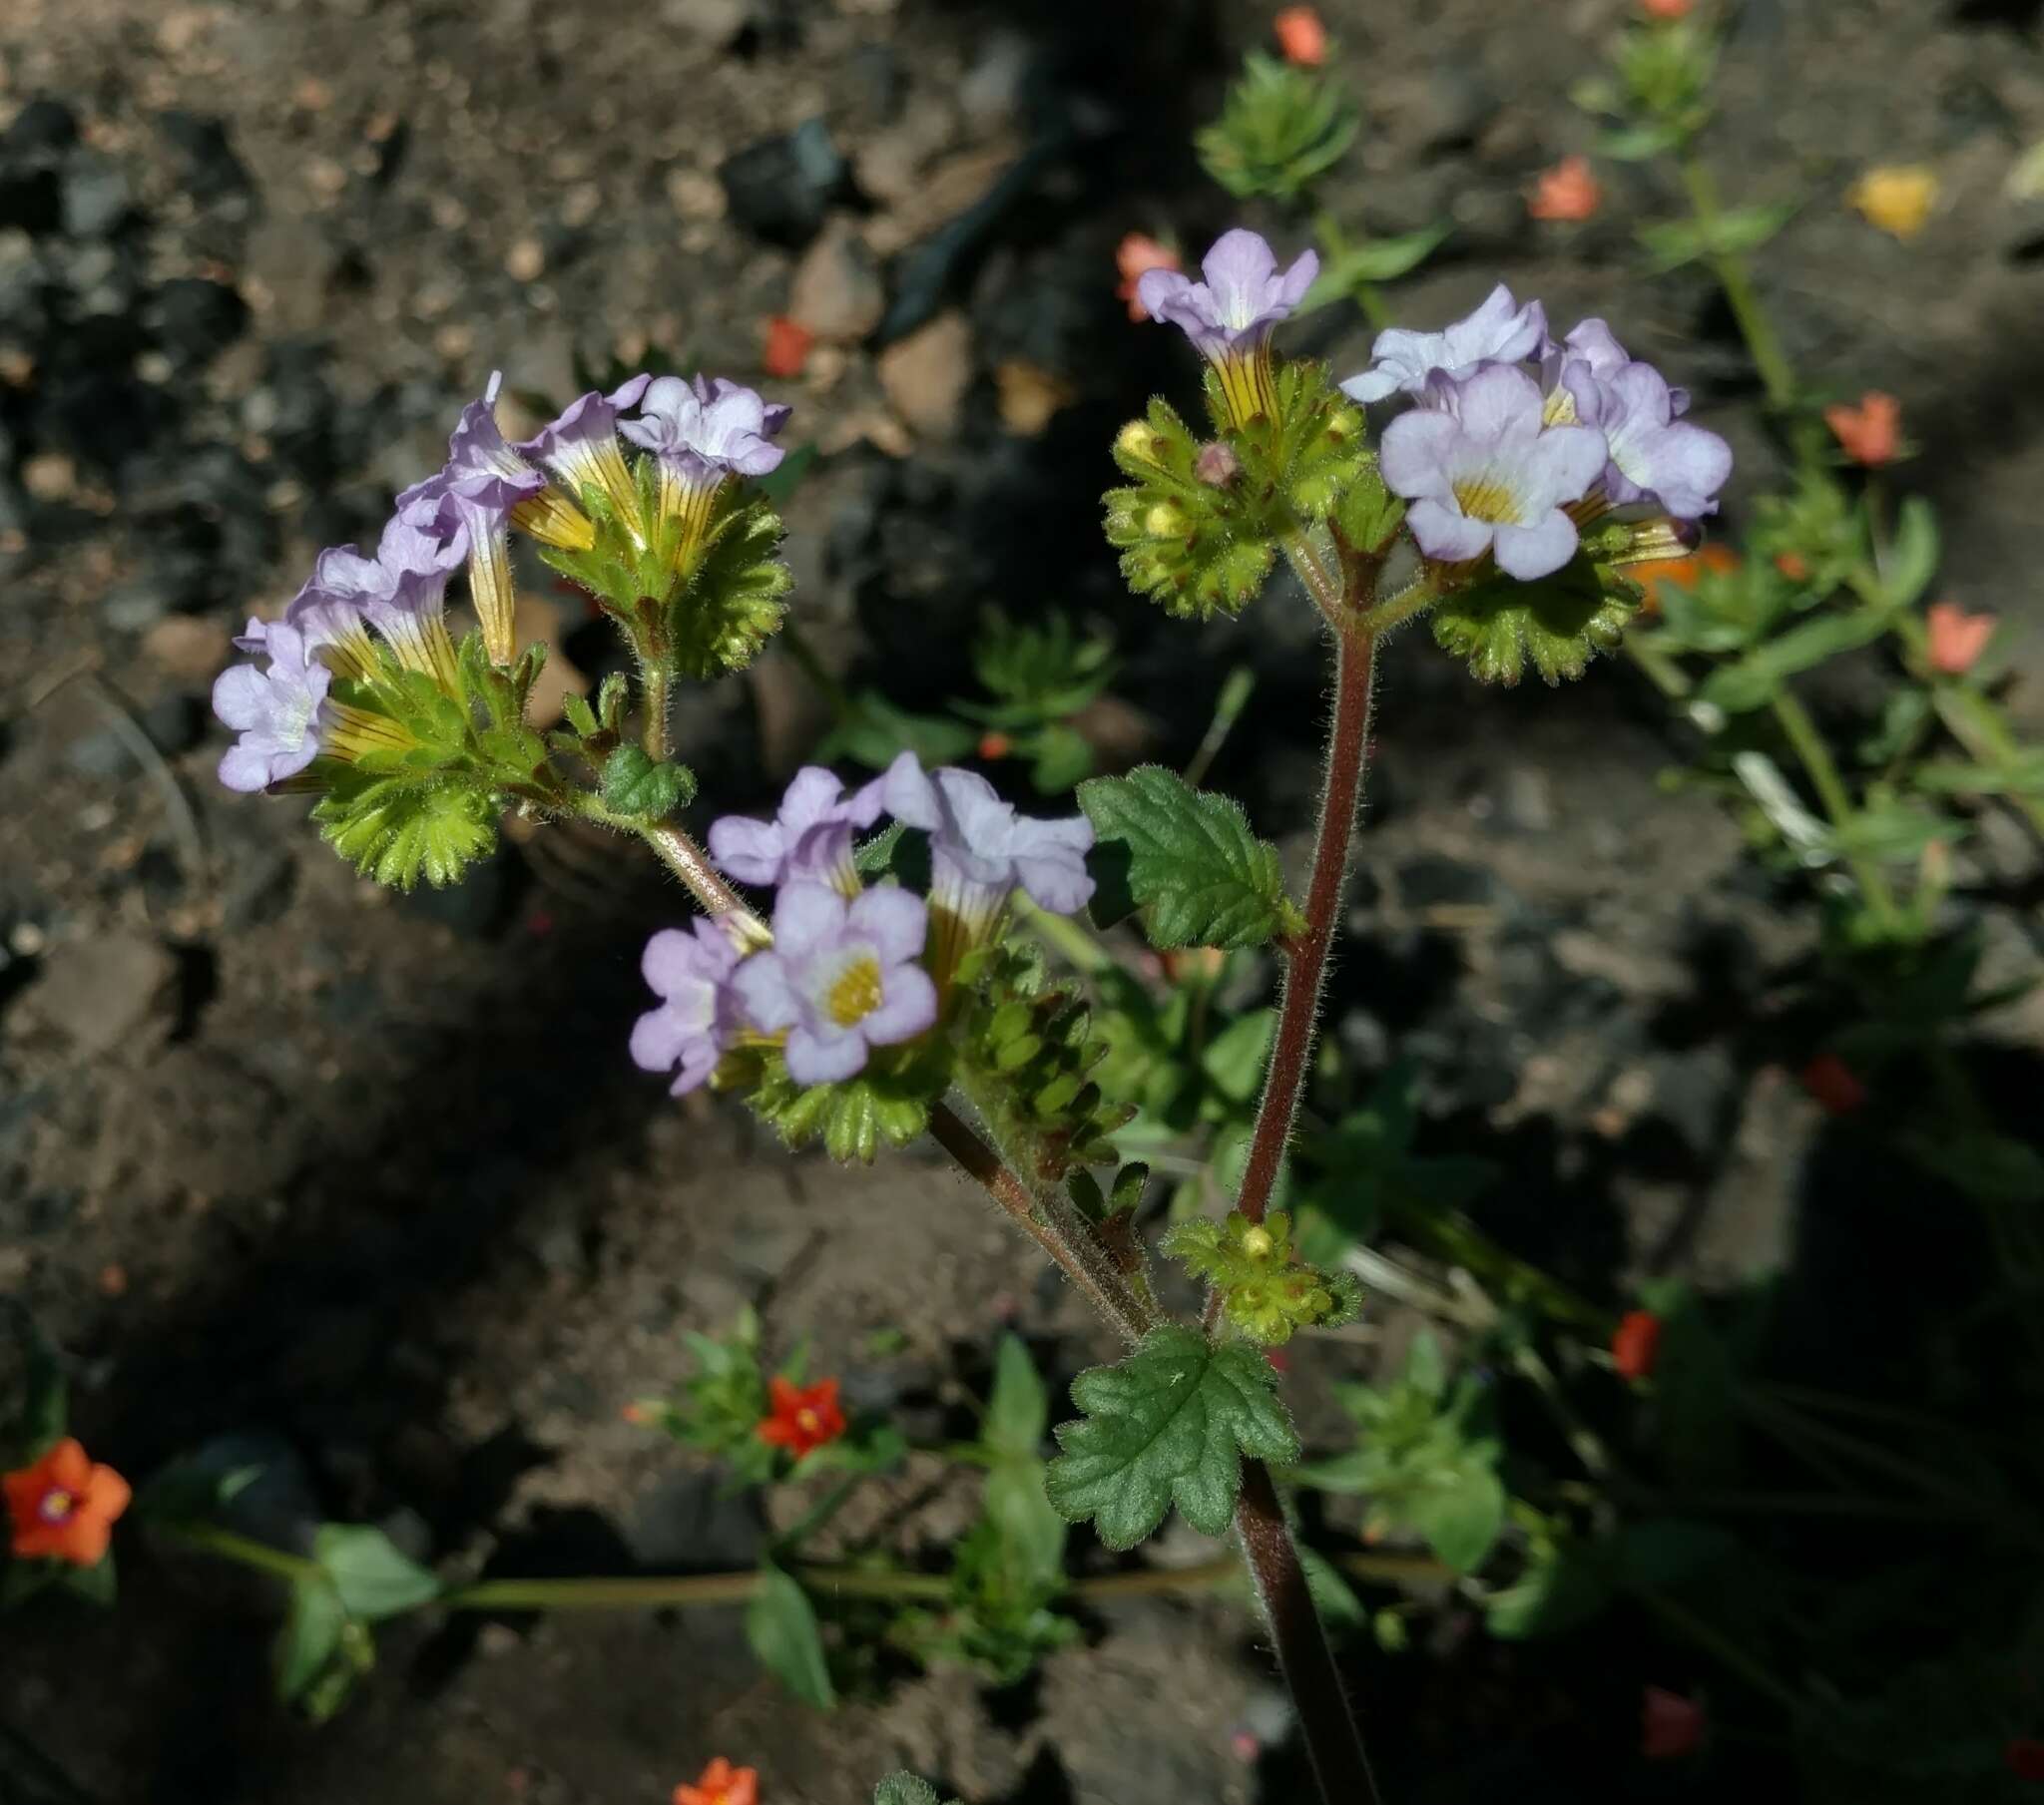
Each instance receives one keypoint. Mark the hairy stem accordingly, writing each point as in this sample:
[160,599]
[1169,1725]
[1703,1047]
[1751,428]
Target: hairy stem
[1306,964]
[689,862]
[1329,1724]
[656,693]
[1076,1255]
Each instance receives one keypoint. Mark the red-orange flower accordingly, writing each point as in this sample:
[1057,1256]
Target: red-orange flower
[1833,1084]
[1635,1343]
[804,1417]
[1301,38]
[64,1507]
[1872,433]
[1133,256]
[1792,564]
[1669,1724]
[787,348]
[1568,192]
[1666,9]
[1957,638]
[722,1784]
[995,745]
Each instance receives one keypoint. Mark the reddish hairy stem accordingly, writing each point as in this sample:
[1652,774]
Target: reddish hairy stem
[1305,967]
[1303,1656]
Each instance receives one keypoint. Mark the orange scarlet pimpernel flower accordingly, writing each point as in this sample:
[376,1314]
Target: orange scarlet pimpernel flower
[1872,433]
[722,1784]
[1136,256]
[1568,193]
[1636,1344]
[64,1507]
[802,1417]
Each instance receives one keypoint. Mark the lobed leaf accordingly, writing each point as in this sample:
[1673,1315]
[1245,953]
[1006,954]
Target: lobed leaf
[1167,1425]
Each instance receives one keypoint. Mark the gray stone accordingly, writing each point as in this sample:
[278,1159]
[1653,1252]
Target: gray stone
[106,991]
[96,197]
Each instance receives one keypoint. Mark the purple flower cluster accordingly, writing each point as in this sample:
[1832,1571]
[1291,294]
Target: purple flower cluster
[1518,438]
[462,514]
[849,969]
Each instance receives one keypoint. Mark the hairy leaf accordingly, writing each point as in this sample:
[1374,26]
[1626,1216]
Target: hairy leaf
[1166,1424]
[636,784]
[780,1624]
[1201,875]
[1557,625]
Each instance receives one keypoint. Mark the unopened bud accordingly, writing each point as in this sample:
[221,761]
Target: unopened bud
[1217,465]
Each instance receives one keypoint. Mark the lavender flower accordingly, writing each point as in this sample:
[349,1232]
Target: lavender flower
[842,977]
[481,488]
[982,851]
[1484,472]
[1655,457]
[581,447]
[809,838]
[402,590]
[1499,331]
[697,1016]
[703,432]
[285,715]
[1228,317]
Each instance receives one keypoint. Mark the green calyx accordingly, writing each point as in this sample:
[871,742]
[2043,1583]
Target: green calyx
[889,1102]
[1028,1049]
[1266,1293]
[1499,624]
[1199,525]
[700,592]
[426,804]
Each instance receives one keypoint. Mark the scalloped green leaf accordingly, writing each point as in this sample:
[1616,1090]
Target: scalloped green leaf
[1194,866]
[1499,626]
[1166,1424]
[734,598]
[398,828]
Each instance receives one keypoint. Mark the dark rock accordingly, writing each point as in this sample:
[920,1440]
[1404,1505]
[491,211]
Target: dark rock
[1433,879]
[31,199]
[302,410]
[194,319]
[781,189]
[692,1519]
[41,128]
[96,196]
[1692,1095]
[207,168]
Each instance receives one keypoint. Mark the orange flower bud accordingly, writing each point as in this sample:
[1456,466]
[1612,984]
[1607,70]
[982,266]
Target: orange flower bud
[788,347]
[1957,638]
[1635,1343]
[1568,192]
[1136,254]
[1666,9]
[1301,38]
[1870,433]
[722,1784]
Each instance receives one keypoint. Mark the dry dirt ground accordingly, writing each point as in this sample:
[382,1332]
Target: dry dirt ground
[369,1181]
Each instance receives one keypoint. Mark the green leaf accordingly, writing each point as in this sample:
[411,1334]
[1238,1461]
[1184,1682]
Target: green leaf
[733,601]
[780,1624]
[1018,1411]
[1756,679]
[1282,126]
[581,716]
[183,1490]
[636,784]
[98,1585]
[311,1636]
[370,1576]
[1561,1587]
[874,732]
[1168,1424]
[1638,144]
[399,828]
[1195,868]
[1558,625]
[1912,558]
[1460,1515]
[1373,261]
[782,481]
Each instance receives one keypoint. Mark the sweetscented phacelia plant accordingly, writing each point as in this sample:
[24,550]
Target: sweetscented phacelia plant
[859,975]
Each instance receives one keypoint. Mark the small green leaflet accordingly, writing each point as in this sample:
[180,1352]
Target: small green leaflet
[1168,1424]
[635,784]
[780,1624]
[906,1789]
[1556,624]
[1194,866]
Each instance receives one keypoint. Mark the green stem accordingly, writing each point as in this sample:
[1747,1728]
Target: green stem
[666,1591]
[1661,670]
[1776,377]
[1823,771]
[815,1517]
[1322,580]
[1394,611]
[214,1539]
[1588,1446]
[1064,935]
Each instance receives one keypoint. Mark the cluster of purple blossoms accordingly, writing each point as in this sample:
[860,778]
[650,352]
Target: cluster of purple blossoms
[700,435]
[1518,439]
[849,967]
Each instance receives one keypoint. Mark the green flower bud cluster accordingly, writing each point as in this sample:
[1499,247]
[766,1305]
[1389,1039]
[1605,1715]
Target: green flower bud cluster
[1029,1050]
[888,1101]
[1266,1293]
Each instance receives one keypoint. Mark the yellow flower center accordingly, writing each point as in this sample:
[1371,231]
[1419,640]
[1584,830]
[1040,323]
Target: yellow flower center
[856,992]
[806,1420]
[1487,499]
[57,1504]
